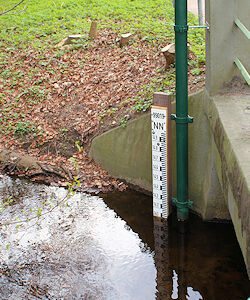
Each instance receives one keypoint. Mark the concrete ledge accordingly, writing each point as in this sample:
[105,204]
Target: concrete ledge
[229,118]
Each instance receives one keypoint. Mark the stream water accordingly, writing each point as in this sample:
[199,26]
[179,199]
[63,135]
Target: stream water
[110,247]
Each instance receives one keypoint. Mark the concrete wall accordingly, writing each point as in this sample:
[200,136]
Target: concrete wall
[225,42]
[126,153]
[218,158]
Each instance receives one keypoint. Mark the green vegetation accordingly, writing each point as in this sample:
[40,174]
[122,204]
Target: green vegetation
[48,21]
[164,83]
[23,128]
[4,204]
[43,23]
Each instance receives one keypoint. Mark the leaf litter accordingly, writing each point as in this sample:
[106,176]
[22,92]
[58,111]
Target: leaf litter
[51,99]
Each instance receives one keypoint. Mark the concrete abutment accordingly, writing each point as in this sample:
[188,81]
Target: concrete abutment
[218,159]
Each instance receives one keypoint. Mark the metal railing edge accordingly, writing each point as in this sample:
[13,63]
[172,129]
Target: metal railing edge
[243,28]
[243,70]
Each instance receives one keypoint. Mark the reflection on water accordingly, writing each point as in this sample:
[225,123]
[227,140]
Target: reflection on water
[83,251]
[204,264]
[175,286]
[88,251]
[208,261]
[165,262]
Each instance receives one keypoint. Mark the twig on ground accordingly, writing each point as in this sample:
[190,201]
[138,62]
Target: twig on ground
[13,166]
[67,172]
[6,12]
[35,174]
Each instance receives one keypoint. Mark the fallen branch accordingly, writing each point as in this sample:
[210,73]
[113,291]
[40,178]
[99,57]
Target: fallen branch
[45,169]
[35,174]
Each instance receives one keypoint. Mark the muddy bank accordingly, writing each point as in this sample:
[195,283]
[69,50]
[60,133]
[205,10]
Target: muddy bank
[61,174]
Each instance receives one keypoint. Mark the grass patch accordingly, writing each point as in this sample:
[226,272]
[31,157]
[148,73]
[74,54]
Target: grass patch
[43,23]
[30,37]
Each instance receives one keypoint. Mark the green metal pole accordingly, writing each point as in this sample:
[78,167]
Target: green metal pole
[181,118]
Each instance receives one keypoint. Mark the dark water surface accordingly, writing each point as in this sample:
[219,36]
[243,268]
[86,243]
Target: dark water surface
[207,260]
[110,247]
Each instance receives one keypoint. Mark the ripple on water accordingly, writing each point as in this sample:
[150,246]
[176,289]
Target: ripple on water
[83,251]
[86,251]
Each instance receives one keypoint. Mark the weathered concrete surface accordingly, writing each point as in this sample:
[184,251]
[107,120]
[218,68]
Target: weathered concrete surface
[204,187]
[218,156]
[229,118]
[126,152]
[225,42]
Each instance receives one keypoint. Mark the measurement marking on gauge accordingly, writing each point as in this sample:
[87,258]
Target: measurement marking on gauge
[160,132]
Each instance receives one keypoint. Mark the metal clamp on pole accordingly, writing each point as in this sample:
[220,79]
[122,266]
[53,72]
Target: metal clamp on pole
[182,120]
[181,205]
[181,28]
